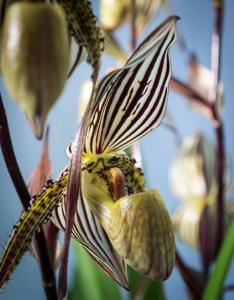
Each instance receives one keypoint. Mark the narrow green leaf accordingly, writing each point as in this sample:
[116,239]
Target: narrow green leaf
[154,291]
[215,284]
[144,288]
[89,281]
[133,278]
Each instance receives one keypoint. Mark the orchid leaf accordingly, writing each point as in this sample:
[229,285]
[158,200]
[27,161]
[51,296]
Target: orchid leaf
[100,286]
[154,291]
[144,288]
[213,289]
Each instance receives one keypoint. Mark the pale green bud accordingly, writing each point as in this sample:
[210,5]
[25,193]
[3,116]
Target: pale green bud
[35,57]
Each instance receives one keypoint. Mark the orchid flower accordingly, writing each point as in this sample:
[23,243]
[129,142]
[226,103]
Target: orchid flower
[129,103]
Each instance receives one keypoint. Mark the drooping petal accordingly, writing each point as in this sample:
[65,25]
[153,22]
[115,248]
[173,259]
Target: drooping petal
[90,233]
[83,27]
[31,219]
[131,102]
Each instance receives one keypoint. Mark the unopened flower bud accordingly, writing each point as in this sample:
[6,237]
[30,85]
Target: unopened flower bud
[113,13]
[35,57]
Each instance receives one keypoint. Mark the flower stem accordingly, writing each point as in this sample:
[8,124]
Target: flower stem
[215,66]
[47,273]
[220,180]
[193,279]
[133,26]
[182,88]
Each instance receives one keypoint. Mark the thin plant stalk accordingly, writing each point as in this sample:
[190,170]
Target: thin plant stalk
[228,288]
[73,190]
[186,91]
[133,26]
[47,272]
[216,48]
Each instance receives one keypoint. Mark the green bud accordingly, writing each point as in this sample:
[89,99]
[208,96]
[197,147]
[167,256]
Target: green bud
[35,57]
[113,13]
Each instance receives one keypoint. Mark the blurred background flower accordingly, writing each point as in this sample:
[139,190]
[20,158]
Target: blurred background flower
[193,171]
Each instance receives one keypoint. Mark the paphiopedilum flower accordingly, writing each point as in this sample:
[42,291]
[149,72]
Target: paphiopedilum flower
[113,202]
[193,171]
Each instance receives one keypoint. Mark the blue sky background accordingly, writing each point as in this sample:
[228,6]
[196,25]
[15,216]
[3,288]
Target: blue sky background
[158,148]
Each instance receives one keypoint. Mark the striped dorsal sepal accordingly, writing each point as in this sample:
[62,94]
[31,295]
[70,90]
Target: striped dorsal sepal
[131,101]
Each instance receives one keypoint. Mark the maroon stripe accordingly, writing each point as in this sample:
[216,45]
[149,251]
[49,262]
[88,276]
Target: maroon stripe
[150,126]
[139,93]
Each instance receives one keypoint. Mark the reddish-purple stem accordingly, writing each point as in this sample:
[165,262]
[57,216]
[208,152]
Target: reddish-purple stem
[193,280]
[228,288]
[47,272]
[133,26]
[72,196]
[182,88]
[220,180]
[215,66]
[72,193]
